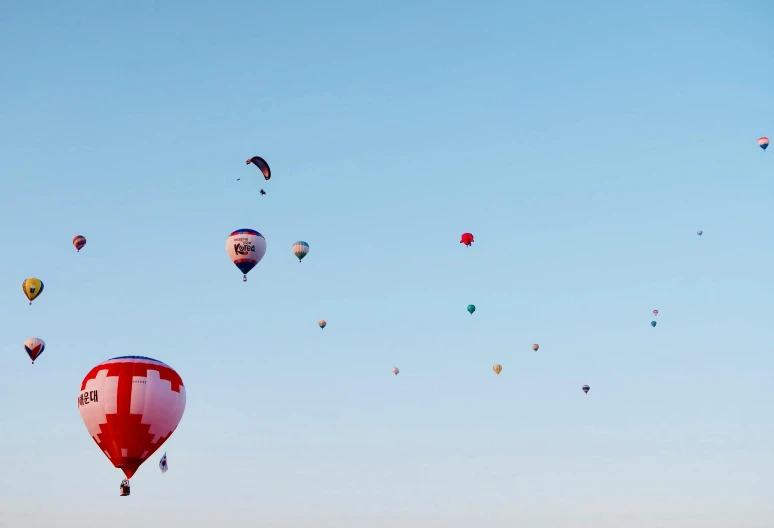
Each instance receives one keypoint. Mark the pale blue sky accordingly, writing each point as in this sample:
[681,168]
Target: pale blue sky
[583,145]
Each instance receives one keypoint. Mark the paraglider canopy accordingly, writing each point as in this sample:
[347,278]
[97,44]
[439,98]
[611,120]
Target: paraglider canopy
[262,166]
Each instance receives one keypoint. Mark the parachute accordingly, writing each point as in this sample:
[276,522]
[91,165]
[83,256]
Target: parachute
[262,166]
[300,249]
[467,239]
[32,288]
[34,347]
[130,406]
[498,369]
[79,241]
[471,309]
[245,248]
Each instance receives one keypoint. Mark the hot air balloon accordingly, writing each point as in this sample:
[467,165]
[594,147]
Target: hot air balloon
[322,323]
[79,241]
[32,287]
[34,347]
[246,248]
[300,249]
[467,239]
[131,405]
[395,370]
[699,232]
[498,369]
[586,389]
[653,324]
[163,464]
[535,347]
[763,142]
[655,312]
[471,309]
[262,165]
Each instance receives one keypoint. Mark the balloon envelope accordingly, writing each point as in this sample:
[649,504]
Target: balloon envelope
[467,239]
[586,389]
[471,309]
[395,370]
[763,142]
[498,369]
[245,248]
[131,405]
[34,347]
[32,287]
[535,347]
[322,323]
[79,241]
[300,249]
[653,324]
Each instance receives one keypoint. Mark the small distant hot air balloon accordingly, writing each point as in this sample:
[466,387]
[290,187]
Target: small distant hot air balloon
[245,248]
[34,347]
[655,312]
[467,239]
[498,369]
[395,370]
[586,389]
[535,347]
[300,249]
[699,232]
[653,324]
[32,287]
[322,323]
[79,241]
[262,166]
[471,309]
[763,142]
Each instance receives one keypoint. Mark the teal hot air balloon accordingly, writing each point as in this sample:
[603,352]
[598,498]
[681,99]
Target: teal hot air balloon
[653,324]
[300,249]
[471,309]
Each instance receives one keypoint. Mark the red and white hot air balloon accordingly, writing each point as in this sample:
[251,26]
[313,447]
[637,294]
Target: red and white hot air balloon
[131,405]
[763,142]
[655,312]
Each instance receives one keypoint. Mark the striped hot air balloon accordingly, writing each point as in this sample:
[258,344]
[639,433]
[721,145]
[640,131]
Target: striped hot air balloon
[322,323]
[586,389]
[498,369]
[32,288]
[79,241]
[655,312]
[763,142]
[300,249]
[535,347]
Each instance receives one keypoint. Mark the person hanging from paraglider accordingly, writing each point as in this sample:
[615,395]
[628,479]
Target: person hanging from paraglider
[125,488]
[263,193]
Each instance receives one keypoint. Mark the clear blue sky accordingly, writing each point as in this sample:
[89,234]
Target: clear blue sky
[583,145]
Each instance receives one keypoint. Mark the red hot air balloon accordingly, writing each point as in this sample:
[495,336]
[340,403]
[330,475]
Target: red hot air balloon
[131,405]
[79,241]
[467,239]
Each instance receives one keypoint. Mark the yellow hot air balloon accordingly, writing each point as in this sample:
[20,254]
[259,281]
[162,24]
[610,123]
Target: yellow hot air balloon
[535,347]
[32,287]
[498,369]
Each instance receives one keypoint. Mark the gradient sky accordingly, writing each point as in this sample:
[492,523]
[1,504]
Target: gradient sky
[583,145]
